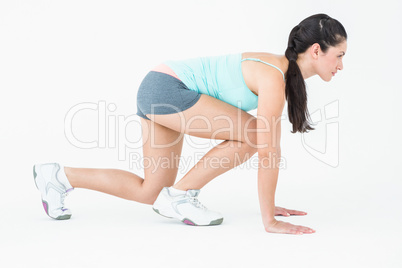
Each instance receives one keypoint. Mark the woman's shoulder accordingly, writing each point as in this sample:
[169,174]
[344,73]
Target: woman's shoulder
[258,74]
[273,59]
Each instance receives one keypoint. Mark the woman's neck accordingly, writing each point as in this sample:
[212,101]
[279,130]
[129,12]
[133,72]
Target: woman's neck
[304,64]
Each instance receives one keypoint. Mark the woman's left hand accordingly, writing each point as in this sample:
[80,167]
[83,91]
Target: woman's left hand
[287,212]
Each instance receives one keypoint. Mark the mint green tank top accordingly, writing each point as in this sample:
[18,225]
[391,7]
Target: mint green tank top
[218,76]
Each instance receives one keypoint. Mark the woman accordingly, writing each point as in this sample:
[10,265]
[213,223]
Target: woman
[209,98]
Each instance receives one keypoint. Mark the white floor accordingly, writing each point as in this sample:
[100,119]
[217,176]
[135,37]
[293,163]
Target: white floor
[353,230]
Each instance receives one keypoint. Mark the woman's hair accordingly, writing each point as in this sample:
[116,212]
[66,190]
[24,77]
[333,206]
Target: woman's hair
[321,29]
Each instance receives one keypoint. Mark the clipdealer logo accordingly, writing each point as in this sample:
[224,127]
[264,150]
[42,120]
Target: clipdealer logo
[112,128]
[112,132]
[329,155]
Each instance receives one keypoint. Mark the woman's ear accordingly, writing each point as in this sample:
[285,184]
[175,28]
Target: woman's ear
[315,49]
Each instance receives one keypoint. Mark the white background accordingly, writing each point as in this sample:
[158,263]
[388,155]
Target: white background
[57,54]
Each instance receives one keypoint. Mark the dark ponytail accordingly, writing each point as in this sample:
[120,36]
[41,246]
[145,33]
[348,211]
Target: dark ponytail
[321,29]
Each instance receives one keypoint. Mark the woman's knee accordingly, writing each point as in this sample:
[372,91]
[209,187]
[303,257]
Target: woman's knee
[148,198]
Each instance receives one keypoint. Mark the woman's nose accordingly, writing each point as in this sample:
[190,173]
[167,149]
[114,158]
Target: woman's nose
[340,66]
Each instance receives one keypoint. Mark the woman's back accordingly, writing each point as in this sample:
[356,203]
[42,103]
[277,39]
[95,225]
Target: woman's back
[222,77]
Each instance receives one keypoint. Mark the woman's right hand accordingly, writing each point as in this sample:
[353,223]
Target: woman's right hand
[286,228]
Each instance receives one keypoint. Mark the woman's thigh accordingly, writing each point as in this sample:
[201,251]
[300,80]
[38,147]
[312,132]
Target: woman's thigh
[211,118]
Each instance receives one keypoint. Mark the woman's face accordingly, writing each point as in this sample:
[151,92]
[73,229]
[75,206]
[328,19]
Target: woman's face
[329,63]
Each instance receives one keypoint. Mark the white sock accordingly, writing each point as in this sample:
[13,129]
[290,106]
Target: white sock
[61,175]
[175,192]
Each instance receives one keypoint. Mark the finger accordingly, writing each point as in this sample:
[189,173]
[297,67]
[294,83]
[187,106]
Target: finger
[282,213]
[296,212]
[306,229]
[295,232]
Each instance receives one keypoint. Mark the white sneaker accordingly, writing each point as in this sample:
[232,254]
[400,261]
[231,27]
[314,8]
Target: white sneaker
[53,185]
[186,208]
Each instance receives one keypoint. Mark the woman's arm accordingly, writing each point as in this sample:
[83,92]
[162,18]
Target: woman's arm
[271,100]
[268,172]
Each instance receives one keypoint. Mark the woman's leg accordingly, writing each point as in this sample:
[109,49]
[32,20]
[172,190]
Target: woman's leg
[206,119]
[127,185]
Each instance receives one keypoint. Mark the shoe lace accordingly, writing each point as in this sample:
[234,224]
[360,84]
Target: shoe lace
[194,201]
[63,196]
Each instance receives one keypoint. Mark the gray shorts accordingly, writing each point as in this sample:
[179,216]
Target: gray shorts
[160,93]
